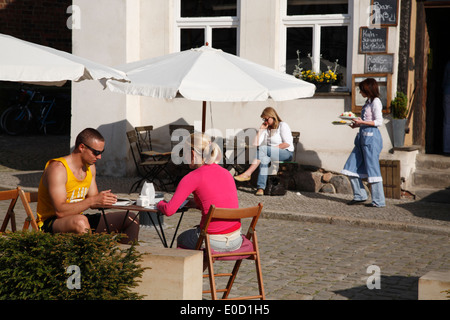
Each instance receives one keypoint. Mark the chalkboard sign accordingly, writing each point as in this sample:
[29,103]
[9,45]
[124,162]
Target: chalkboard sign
[379,63]
[384,85]
[373,40]
[384,12]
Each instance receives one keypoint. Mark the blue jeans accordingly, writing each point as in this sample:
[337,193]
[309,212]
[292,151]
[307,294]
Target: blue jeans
[376,188]
[266,155]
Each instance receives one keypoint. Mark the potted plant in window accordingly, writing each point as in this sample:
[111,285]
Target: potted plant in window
[322,80]
[399,114]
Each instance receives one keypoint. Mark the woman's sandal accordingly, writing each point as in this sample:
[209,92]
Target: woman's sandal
[241,179]
[260,192]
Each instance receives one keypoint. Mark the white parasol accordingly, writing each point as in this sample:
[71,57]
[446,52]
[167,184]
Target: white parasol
[23,61]
[207,74]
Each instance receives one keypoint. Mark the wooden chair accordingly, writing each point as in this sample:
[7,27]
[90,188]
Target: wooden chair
[11,195]
[181,133]
[287,168]
[144,138]
[27,198]
[148,169]
[249,250]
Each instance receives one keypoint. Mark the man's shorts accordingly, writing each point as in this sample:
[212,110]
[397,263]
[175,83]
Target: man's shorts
[93,219]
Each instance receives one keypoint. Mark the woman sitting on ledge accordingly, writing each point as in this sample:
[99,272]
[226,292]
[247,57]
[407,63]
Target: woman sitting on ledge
[275,143]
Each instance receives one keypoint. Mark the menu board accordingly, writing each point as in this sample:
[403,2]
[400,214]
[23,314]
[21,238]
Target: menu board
[379,63]
[384,86]
[373,40]
[384,12]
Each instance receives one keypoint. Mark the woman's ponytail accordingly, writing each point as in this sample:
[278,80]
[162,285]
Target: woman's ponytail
[210,152]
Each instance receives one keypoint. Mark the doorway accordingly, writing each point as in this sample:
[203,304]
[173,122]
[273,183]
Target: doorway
[438,56]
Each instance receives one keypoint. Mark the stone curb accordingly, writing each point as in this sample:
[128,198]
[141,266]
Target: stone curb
[356,222]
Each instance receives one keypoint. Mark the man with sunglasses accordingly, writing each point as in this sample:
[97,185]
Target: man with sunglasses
[68,188]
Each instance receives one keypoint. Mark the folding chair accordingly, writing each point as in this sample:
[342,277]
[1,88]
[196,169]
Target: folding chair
[248,250]
[27,198]
[179,133]
[148,169]
[144,138]
[11,195]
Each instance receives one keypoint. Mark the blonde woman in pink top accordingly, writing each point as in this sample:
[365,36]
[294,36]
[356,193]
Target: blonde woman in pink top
[210,184]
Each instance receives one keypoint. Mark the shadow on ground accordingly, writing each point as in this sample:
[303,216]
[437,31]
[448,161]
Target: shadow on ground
[28,153]
[391,288]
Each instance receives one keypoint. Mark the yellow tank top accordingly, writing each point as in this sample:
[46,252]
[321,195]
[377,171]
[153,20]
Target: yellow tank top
[76,191]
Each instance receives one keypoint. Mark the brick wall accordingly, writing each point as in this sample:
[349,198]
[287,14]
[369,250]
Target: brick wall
[38,21]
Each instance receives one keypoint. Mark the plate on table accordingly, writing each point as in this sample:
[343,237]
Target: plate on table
[123,202]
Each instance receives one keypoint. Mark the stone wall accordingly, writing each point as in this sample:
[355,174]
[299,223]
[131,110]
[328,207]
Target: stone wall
[312,179]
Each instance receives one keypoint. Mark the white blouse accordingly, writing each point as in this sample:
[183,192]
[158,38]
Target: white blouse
[281,134]
[373,112]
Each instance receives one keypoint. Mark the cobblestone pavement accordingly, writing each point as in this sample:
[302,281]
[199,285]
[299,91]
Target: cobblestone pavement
[314,246]
[306,260]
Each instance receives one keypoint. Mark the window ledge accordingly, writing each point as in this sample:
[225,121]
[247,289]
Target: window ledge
[332,93]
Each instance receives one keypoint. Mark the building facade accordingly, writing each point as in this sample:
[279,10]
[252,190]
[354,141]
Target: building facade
[394,41]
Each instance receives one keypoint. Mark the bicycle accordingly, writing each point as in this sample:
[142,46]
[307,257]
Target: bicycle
[32,110]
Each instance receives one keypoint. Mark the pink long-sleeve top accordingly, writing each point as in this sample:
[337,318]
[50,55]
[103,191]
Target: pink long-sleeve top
[210,184]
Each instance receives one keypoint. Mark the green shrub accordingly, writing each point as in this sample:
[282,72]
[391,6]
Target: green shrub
[400,106]
[34,265]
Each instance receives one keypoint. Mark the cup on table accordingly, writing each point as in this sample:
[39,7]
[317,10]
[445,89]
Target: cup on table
[142,201]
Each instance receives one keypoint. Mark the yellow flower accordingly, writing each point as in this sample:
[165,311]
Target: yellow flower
[319,77]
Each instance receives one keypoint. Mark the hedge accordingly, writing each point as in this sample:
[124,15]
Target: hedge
[42,266]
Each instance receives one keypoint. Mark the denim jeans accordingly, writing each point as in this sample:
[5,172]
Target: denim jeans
[266,155]
[376,188]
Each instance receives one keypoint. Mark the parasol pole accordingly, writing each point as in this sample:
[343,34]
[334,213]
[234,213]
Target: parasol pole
[204,117]
[204,111]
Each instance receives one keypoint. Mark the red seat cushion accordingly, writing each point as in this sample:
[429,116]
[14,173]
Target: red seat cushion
[246,246]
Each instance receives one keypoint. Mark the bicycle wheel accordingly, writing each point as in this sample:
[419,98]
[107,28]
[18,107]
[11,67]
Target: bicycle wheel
[53,119]
[15,120]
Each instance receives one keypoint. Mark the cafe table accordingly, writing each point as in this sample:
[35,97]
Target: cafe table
[145,210]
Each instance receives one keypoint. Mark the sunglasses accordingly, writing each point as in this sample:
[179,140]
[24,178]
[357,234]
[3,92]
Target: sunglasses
[265,119]
[95,152]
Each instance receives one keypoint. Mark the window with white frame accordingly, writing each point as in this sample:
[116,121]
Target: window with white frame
[317,33]
[215,22]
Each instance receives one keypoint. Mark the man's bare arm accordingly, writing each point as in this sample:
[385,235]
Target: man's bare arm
[55,178]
